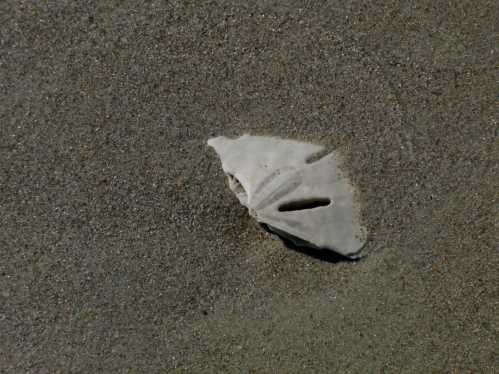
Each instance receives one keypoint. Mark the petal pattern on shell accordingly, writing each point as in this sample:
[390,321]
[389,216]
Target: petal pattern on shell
[312,202]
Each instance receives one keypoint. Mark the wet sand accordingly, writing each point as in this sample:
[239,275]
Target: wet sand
[122,248]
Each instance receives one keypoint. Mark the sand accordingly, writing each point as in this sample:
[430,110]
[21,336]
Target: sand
[122,248]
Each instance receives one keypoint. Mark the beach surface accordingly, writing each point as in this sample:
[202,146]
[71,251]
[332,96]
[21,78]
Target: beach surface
[122,249]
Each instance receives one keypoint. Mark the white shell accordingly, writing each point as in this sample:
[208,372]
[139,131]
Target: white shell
[310,202]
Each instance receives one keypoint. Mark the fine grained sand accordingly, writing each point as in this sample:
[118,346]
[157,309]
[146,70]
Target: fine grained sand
[123,250]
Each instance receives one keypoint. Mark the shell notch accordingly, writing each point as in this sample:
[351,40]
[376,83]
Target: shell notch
[310,204]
